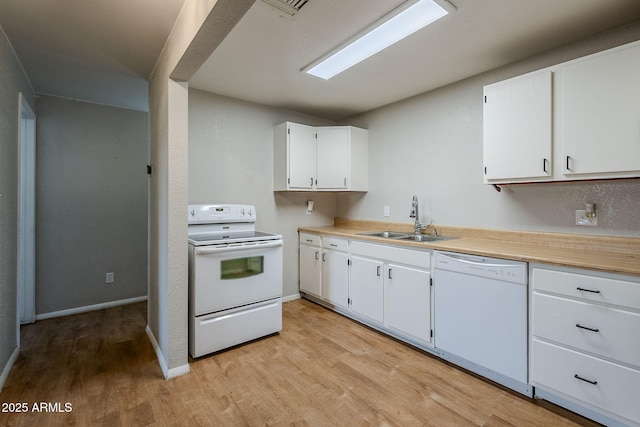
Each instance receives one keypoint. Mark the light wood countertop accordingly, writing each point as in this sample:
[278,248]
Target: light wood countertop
[609,254]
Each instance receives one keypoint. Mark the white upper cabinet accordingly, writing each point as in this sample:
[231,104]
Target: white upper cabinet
[575,120]
[601,113]
[517,128]
[333,154]
[327,158]
[294,157]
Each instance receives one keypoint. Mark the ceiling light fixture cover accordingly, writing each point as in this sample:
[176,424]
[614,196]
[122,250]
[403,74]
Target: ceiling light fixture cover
[388,30]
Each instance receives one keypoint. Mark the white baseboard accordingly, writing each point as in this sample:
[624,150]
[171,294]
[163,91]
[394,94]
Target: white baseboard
[290,297]
[166,372]
[176,372]
[88,308]
[8,367]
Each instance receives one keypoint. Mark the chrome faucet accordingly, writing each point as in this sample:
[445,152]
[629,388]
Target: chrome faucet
[417,227]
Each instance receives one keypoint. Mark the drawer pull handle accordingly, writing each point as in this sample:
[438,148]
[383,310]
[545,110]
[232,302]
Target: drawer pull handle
[587,290]
[585,380]
[333,245]
[310,240]
[578,325]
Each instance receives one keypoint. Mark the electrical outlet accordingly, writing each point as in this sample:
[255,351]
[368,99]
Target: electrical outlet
[387,211]
[582,219]
[109,278]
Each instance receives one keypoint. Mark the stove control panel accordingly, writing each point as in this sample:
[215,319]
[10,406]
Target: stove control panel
[217,214]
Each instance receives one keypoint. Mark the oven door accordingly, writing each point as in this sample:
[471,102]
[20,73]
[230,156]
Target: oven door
[233,275]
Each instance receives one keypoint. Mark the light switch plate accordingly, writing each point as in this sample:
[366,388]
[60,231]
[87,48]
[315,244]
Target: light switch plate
[387,211]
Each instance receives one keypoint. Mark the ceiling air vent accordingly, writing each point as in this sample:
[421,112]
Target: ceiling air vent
[289,6]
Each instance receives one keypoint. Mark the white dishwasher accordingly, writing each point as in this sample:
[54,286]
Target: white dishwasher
[480,316]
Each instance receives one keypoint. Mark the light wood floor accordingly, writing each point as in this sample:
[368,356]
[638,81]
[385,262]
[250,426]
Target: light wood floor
[321,370]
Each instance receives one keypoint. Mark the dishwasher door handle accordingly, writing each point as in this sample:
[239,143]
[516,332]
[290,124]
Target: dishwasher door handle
[471,261]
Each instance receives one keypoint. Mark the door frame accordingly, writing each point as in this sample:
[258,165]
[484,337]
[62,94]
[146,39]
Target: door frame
[26,214]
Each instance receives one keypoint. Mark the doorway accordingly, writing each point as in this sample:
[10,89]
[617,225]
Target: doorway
[26,214]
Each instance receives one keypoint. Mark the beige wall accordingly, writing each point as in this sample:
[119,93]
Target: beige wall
[431,145]
[230,161]
[13,81]
[91,204]
[200,27]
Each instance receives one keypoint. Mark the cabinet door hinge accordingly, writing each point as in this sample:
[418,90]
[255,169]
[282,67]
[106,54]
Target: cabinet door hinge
[485,99]
[288,180]
[149,170]
[349,262]
[431,333]
[288,131]
[348,301]
[430,281]
[485,170]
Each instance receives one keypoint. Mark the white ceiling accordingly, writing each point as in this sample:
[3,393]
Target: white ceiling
[104,51]
[98,51]
[261,59]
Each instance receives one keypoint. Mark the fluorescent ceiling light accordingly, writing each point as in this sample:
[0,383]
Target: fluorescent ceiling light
[382,34]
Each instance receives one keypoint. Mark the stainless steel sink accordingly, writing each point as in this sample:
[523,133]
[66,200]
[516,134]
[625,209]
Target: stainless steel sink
[396,235]
[385,234]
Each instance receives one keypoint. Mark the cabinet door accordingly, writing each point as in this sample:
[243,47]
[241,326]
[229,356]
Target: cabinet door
[408,301]
[601,113]
[335,277]
[517,128]
[333,157]
[310,270]
[366,290]
[302,156]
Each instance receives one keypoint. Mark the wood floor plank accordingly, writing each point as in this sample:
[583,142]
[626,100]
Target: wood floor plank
[321,370]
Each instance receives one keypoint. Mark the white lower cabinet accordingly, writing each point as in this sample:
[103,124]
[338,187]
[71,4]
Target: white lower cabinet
[384,286]
[335,271]
[324,268]
[407,300]
[367,288]
[585,342]
[607,386]
[392,287]
[310,258]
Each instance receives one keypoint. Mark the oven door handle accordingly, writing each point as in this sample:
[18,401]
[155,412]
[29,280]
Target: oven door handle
[204,250]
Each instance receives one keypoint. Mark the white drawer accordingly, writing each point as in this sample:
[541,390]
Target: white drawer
[597,289]
[227,328]
[310,239]
[613,333]
[416,258]
[335,244]
[616,387]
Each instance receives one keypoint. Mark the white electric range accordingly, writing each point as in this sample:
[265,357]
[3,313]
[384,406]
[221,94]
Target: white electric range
[235,278]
